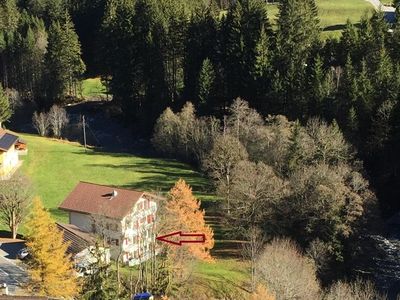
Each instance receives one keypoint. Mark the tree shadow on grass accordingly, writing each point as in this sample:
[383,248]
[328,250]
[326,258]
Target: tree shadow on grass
[222,286]
[335,27]
[161,175]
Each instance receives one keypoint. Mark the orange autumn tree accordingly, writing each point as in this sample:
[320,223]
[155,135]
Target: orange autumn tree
[50,269]
[184,214]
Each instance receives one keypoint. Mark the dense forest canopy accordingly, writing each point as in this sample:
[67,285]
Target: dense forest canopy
[157,54]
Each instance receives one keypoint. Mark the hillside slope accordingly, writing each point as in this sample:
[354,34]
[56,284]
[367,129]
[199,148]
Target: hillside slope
[55,167]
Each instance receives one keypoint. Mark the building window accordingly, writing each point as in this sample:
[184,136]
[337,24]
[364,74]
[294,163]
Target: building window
[113,242]
[150,219]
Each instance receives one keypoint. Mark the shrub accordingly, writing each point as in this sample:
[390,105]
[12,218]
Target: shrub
[287,272]
[357,290]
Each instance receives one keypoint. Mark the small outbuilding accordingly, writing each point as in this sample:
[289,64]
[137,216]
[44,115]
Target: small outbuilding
[11,146]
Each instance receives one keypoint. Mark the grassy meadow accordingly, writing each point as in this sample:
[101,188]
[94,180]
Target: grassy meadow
[93,88]
[333,14]
[55,167]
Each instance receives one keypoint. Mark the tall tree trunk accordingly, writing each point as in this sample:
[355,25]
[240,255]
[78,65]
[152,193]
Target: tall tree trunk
[13,226]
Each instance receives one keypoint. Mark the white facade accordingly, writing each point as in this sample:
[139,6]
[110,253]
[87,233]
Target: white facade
[9,161]
[132,236]
[11,158]
[138,228]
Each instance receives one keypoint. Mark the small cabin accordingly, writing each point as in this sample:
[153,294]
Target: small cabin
[11,146]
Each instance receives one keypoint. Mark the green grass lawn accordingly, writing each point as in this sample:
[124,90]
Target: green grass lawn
[333,14]
[223,275]
[55,167]
[93,87]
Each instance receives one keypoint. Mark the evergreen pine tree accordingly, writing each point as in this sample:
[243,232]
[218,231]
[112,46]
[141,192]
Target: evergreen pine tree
[349,43]
[175,37]
[200,44]
[381,128]
[253,24]
[206,83]
[365,105]
[348,89]
[5,108]
[320,88]
[262,57]
[232,48]
[63,60]
[9,15]
[382,72]
[297,34]
[352,126]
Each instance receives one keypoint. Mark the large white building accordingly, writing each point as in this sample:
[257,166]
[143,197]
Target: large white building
[123,217]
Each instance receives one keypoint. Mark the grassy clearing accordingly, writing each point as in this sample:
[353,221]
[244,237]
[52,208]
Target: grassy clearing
[222,276]
[333,14]
[93,87]
[55,168]
[226,270]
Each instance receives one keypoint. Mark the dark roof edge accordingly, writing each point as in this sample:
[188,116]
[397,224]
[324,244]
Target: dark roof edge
[112,186]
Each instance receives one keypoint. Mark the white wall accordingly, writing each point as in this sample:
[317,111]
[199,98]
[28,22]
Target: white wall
[10,159]
[124,229]
[82,221]
[139,212]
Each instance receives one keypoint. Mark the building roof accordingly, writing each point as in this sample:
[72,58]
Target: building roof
[7,140]
[78,240]
[96,199]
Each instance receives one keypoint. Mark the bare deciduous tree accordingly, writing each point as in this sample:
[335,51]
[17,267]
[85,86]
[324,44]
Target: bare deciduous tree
[15,196]
[255,191]
[58,119]
[251,251]
[357,290]
[287,272]
[40,122]
[165,136]
[243,121]
[330,144]
[204,133]
[226,152]
[184,135]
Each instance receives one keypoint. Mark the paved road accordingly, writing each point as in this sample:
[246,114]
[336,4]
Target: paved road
[10,273]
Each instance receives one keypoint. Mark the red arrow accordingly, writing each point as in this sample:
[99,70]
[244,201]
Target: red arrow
[180,241]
